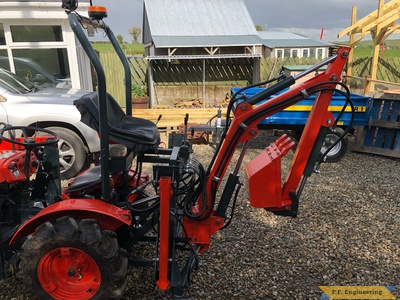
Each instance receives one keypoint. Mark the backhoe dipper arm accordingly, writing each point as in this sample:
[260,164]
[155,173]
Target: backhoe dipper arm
[247,117]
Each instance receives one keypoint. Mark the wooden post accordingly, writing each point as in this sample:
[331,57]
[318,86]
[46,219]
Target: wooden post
[351,43]
[204,83]
[377,38]
[380,24]
[256,70]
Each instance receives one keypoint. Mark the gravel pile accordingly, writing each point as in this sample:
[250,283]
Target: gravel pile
[346,233]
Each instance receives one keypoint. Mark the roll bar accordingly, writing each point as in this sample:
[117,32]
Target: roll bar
[76,22]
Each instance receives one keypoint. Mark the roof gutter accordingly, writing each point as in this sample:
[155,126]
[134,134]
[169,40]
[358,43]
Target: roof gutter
[217,56]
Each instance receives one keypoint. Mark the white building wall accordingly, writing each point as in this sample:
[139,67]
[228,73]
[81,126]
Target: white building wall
[46,13]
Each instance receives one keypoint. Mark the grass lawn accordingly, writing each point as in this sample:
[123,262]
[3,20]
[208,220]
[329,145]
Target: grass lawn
[364,48]
[368,53]
[129,49]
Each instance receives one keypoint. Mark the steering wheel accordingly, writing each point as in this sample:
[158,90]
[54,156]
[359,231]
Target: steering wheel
[29,139]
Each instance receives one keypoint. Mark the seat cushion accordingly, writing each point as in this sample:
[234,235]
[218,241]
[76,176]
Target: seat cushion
[134,133]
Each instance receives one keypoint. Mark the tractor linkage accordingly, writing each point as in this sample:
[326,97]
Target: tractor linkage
[78,243]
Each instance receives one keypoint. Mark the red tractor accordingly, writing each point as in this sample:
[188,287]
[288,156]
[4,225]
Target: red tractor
[76,244]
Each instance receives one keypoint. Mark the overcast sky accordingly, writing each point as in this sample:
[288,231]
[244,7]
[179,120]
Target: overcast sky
[306,17]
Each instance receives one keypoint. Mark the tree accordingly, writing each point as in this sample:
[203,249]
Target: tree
[120,39]
[135,32]
[259,28]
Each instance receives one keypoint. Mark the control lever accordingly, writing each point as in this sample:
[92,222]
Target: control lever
[159,118]
[186,125]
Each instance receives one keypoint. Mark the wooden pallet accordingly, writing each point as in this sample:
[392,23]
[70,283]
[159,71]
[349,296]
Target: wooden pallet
[173,117]
[382,134]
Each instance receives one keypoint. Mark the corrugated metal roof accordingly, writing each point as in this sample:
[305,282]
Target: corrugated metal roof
[205,41]
[199,18]
[276,39]
[280,35]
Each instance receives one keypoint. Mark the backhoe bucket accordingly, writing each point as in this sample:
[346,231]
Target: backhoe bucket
[264,175]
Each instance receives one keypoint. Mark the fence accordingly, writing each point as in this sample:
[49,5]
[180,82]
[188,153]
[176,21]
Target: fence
[230,72]
[382,134]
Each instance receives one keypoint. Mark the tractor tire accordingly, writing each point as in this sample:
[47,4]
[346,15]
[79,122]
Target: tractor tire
[339,150]
[73,259]
[72,152]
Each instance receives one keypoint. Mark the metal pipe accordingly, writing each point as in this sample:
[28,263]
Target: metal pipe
[315,67]
[127,70]
[102,94]
[241,157]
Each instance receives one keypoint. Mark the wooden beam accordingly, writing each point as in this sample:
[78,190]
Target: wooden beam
[381,21]
[211,50]
[383,9]
[171,51]
[390,31]
[173,117]
[350,59]
[357,40]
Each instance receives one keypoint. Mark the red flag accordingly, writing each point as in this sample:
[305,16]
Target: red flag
[322,33]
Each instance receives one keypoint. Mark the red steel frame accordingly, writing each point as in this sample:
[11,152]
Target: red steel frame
[319,117]
[165,196]
[242,129]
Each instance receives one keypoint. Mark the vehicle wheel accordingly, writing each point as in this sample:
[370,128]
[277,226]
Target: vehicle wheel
[70,259]
[72,152]
[339,150]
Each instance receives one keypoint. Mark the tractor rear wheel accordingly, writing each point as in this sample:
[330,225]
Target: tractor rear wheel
[71,259]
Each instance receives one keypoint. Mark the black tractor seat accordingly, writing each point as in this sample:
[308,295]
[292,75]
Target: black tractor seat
[136,134]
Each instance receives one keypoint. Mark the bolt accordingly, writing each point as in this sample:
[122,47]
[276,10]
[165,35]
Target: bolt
[218,222]
[80,276]
[334,78]
[329,122]
[345,53]
[71,272]
[252,132]
[243,107]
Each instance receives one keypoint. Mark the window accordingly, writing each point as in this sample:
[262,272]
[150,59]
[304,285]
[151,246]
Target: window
[2,36]
[320,52]
[286,53]
[44,67]
[38,53]
[36,33]
[294,53]
[4,63]
[306,52]
[279,53]
[312,53]
[15,84]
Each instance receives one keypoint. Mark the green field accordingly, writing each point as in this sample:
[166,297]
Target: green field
[363,49]
[129,49]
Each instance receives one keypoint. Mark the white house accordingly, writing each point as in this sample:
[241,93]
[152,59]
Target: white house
[287,44]
[37,43]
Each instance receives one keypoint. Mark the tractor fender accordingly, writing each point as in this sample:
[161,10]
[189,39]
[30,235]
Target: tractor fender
[110,217]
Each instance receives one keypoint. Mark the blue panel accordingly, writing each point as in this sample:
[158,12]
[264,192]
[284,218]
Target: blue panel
[371,131]
[300,117]
[391,133]
[397,141]
[380,136]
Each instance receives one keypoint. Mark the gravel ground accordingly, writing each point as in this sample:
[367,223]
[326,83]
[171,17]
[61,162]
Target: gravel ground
[346,233]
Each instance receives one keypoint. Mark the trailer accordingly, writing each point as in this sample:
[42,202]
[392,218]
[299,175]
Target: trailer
[294,118]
